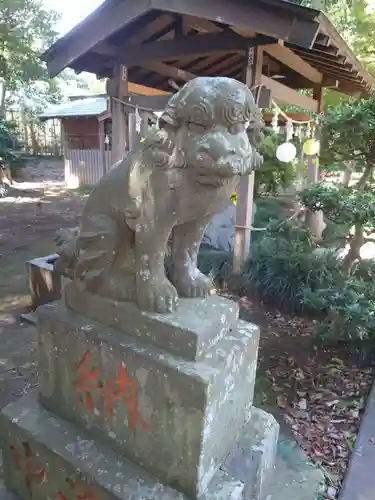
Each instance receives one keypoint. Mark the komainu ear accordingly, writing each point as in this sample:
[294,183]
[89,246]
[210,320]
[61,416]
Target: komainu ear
[168,119]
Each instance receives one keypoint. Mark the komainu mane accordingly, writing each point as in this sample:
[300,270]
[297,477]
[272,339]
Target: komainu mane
[177,179]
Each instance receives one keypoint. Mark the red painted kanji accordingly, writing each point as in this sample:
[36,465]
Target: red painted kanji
[88,382]
[80,492]
[120,388]
[126,389]
[25,461]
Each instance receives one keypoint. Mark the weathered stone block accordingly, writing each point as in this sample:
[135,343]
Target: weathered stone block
[176,418]
[253,458]
[197,325]
[47,458]
[5,494]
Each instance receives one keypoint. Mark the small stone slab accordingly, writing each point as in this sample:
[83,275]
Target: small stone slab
[197,325]
[294,477]
[44,282]
[5,494]
[253,458]
[29,318]
[48,458]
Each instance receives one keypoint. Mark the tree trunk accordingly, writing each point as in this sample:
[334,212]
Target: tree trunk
[354,250]
[366,176]
[35,146]
[25,129]
[348,174]
[3,92]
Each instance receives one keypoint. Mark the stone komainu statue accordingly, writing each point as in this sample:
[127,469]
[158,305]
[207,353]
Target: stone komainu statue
[177,179]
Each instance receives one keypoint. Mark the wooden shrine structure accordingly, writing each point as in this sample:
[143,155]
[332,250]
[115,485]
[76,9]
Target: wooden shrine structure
[275,46]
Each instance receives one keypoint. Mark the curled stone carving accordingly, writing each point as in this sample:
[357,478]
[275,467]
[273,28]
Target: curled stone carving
[183,173]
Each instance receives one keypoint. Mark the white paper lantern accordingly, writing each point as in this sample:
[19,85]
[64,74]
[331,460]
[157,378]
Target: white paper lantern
[286,152]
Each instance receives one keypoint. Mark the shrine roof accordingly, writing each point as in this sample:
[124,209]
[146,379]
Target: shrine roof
[85,107]
[164,40]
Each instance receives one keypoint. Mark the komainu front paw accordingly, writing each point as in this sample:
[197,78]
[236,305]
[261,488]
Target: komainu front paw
[156,295]
[193,285]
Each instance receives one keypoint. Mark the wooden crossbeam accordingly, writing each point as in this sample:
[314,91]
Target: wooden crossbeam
[293,61]
[224,42]
[151,103]
[285,94]
[277,51]
[170,71]
[276,23]
[96,28]
[158,66]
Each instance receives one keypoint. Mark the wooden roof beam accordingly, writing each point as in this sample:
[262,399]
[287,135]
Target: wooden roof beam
[276,23]
[318,56]
[101,24]
[326,65]
[170,71]
[224,42]
[135,88]
[323,39]
[287,95]
[160,23]
[158,67]
[294,62]
[202,25]
[277,51]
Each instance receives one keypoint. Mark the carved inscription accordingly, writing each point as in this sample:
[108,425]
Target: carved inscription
[24,460]
[98,395]
[79,491]
[35,474]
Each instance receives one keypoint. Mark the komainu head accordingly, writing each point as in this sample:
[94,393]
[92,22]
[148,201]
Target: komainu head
[207,119]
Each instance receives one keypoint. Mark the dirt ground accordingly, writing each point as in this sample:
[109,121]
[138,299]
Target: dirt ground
[318,393]
[28,223]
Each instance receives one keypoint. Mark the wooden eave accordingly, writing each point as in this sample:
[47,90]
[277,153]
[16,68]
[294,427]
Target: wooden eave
[164,40]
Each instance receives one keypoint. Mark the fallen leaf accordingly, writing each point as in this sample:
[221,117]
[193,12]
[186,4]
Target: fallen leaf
[281,401]
[302,404]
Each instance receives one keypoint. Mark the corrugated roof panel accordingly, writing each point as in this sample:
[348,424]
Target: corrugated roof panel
[90,106]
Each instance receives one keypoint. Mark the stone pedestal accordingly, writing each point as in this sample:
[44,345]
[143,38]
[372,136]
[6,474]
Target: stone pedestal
[141,406]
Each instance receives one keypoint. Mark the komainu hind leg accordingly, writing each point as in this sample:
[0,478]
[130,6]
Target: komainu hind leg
[99,268]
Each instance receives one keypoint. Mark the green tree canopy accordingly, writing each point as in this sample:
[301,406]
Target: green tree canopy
[26,29]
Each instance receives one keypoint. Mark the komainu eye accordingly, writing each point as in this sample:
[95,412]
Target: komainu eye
[237,128]
[197,128]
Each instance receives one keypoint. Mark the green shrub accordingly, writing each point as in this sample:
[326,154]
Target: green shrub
[284,263]
[10,146]
[274,174]
[350,316]
[216,264]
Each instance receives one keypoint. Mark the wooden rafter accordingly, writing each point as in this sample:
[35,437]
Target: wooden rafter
[305,32]
[280,53]
[287,95]
[252,16]
[134,88]
[88,34]
[294,62]
[170,71]
[224,42]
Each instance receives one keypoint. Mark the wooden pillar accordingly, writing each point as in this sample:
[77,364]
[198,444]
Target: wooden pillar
[133,134]
[245,190]
[120,129]
[102,146]
[144,124]
[315,220]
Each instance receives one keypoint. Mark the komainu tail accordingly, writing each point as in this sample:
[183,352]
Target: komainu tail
[66,241]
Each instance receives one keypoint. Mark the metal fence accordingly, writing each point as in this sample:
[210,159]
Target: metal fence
[85,167]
